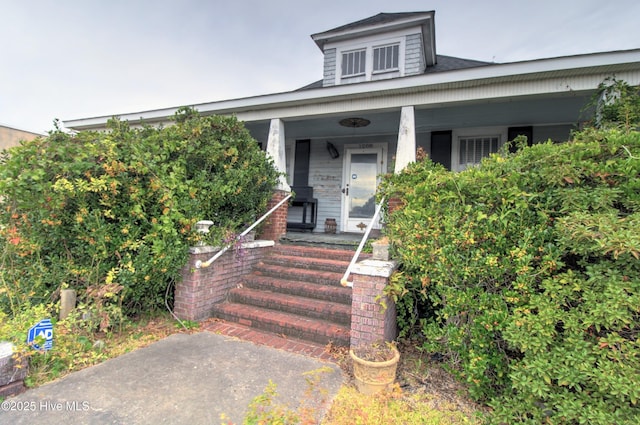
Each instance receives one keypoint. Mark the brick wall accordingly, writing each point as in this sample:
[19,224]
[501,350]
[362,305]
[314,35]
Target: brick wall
[395,204]
[275,226]
[200,289]
[370,322]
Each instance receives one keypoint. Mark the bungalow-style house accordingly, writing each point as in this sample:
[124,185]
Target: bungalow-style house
[385,92]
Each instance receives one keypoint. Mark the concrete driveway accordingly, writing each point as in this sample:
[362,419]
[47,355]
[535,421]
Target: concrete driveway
[183,379]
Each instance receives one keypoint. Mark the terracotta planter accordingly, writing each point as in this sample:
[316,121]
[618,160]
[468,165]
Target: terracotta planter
[374,376]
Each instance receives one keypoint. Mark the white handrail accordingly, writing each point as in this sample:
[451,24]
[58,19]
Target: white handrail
[344,281]
[203,264]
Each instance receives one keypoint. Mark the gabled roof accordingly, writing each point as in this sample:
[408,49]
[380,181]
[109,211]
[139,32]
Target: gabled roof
[380,18]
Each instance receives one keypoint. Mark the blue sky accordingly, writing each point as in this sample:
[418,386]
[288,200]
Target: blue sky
[70,59]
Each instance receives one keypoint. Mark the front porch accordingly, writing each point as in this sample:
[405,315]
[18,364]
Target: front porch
[333,159]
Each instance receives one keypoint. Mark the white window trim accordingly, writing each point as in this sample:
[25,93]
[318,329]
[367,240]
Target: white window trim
[357,74]
[479,132]
[368,43]
[382,46]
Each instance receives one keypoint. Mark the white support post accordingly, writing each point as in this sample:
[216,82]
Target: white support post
[276,150]
[406,150]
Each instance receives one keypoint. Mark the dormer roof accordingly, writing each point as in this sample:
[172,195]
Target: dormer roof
[384,22]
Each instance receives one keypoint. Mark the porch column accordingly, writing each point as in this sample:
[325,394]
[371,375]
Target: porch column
[276,150]
[275,226]
[406,150]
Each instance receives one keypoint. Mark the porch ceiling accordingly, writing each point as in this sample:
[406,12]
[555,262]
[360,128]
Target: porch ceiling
[564,109]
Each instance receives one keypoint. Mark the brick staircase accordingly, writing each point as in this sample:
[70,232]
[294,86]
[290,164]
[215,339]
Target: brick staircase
[295,292]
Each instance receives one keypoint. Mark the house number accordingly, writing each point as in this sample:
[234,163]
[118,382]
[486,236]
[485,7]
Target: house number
[365,145]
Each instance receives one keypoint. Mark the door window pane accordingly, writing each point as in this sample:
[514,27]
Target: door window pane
[363,182]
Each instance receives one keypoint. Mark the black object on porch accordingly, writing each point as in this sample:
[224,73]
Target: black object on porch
[304,198]
[303,193]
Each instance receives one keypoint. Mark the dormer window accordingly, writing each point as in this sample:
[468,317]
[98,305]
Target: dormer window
[370,60]
[354,63]
[382,47]
[385,58]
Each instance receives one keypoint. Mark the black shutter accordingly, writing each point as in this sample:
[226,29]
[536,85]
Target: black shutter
[514,132]
[301,165]
[441,148]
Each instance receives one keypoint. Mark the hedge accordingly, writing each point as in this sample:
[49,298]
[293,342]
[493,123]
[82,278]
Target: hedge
[524,273]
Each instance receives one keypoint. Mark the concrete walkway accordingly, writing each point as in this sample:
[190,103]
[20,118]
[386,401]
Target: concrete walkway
[183,379]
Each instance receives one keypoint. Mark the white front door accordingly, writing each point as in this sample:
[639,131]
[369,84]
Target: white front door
[362,169]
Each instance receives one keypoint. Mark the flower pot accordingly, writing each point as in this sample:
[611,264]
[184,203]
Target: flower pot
[374,376]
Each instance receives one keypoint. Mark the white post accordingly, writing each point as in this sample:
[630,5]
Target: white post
[67,302]
[406,150]
[276,150]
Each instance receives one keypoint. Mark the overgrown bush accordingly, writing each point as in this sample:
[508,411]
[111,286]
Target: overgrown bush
[73,346]
[111,214]
[525,273]
[616,105]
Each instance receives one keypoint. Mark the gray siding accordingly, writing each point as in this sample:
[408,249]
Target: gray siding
[557,133]
[325,176]
[329,75]
[414,57]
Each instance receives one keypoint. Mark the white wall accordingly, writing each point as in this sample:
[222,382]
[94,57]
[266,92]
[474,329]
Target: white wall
[325,175]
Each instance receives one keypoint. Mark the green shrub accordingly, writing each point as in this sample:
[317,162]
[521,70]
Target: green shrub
[72,346]
[616,105]
[525,273]
[111,214]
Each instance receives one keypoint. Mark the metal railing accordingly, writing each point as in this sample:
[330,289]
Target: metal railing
[203,264]
[344,281]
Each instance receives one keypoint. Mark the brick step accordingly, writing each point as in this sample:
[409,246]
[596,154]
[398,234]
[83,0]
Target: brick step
[316,252]
[327,310]
[325,292]
[257,336]
[292,325]
[299,262]
[306,275]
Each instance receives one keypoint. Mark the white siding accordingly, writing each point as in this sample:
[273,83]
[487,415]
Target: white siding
[329,75]
[325,176]
[414,55]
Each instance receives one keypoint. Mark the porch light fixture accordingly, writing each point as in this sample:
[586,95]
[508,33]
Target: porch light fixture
[355,122]
[333,152]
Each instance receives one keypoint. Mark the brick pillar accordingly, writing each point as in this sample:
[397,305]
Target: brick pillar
[394,204]
[275,226]
[370,322]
